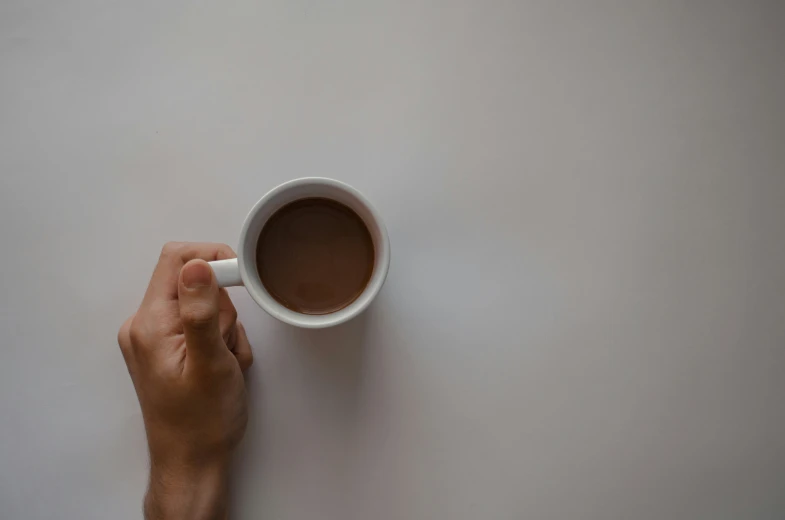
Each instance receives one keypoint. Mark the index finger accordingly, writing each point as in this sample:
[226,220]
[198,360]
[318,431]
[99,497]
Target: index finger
[174,255]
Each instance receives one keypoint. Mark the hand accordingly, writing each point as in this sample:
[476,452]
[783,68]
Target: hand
[185,351]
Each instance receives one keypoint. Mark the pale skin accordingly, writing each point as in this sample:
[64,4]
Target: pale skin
[186,353]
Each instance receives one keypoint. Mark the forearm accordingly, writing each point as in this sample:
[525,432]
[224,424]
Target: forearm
[182,493]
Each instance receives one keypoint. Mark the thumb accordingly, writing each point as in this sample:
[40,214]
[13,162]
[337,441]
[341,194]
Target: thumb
[198,297]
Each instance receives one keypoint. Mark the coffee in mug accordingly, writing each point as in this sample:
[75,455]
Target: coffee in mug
[315,255]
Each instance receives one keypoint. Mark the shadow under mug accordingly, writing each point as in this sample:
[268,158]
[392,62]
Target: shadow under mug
[242,270]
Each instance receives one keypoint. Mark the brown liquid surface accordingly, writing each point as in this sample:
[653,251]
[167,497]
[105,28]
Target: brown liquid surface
[315,256]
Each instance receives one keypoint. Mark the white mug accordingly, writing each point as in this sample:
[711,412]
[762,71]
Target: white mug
[242,270]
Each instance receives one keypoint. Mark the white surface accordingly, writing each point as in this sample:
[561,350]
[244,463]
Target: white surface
[291,191]
[585,312]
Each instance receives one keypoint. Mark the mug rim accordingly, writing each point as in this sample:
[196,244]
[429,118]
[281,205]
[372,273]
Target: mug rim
[313,321]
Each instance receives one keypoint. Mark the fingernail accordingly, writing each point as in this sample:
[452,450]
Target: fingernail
[197,273]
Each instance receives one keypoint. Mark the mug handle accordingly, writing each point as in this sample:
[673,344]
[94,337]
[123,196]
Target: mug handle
[227,272]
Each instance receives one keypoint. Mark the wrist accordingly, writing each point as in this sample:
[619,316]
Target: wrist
[180,490]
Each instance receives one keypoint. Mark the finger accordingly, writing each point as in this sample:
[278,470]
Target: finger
[124,338]
[227,315]
[242,350]
[174,255]
[230,338]
[198,300]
